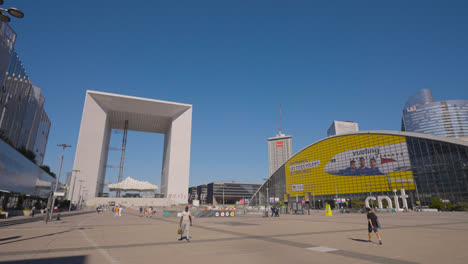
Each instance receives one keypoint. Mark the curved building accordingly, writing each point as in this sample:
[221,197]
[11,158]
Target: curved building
[445,118]
[370,163]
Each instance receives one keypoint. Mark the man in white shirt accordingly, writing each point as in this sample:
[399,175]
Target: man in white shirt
[120,211]
[185,219]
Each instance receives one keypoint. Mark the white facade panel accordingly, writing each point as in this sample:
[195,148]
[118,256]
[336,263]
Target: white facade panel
[104,112]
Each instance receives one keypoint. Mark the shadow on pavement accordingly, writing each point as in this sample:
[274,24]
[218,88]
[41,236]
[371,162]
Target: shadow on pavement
[59,260]
[51,234]
[359,240]
[9,238]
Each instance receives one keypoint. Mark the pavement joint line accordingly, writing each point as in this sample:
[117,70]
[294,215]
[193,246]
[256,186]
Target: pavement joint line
[372,258]
[100,250]
[350,254]
[241,236]
[322,249]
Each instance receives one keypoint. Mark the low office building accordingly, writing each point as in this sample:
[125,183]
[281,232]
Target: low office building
[22,183]
[218,193]
[372,163]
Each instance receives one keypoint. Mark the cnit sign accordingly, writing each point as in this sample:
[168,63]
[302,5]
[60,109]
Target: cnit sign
[379,199]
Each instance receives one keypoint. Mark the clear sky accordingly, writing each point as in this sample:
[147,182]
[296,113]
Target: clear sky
[236,62]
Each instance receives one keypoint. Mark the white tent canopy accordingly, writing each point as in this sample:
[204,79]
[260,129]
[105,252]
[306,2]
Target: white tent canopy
[130,184]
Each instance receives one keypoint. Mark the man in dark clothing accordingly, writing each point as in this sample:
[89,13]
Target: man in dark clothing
[372,224]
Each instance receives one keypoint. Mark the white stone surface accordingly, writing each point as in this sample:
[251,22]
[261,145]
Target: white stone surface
[103,112]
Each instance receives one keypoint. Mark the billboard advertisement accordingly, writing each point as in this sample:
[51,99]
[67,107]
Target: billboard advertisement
[351,164]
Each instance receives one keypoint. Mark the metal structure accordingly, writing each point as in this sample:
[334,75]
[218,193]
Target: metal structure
[51,210]
[122,154]
[15,12]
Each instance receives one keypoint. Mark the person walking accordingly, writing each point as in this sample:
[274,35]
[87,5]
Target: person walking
[185,219]
[33,211]
[373,225]
[141,210]
[120,211]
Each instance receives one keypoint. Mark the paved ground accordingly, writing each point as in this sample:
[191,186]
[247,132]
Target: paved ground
[92,238]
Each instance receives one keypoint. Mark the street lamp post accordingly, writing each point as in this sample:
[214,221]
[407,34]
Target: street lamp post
[64,146]
[81,196]
[15,12]
[79,193]
[268,195]
[370,193]
[73,189]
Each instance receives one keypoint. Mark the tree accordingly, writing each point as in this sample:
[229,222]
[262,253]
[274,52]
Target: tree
[357,203]
[47,169]
[435,203]
[5,138]
[27,153]
[461,206]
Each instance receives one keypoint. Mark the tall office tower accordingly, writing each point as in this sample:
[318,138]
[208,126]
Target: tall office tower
[7,42]
[279,149]
[69,178]
[23,119]
[445,118]
[42,137]
[342,127]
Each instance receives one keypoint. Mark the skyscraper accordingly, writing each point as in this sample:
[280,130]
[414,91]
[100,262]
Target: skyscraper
[279,149]
[23,120]
[445,118]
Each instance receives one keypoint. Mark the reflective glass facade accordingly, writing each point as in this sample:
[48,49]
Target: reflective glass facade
[446,118]
[365,163]
[216,192]
[18,176]
[23,119]
[7,41]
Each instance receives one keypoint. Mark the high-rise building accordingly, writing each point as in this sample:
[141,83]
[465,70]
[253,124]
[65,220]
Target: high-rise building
[23,119]
[342,127]
[279,150]
[7,42]
[69,178]
[445,118]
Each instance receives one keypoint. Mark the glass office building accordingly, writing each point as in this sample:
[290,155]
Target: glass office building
[370,163]
[223,192]
[22,183]
[445,118]
[23,119]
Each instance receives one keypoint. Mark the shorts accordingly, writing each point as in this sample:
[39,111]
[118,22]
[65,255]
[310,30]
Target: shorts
[370,229]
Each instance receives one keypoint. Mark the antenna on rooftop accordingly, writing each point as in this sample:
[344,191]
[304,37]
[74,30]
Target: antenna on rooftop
[279,128]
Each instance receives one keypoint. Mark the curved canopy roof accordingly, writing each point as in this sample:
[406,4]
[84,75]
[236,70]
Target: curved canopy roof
[130,184]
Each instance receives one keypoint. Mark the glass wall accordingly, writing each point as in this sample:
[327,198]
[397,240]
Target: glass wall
[440,169]
[20,177]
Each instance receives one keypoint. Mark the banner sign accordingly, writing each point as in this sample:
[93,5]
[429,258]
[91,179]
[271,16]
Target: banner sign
[297,187]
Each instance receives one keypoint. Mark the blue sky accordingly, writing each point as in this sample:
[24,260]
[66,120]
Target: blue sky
[236,62]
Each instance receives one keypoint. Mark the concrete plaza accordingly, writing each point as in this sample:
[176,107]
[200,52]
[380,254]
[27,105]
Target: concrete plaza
[92,238]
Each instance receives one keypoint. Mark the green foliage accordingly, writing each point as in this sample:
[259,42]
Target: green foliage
[449,206]
[435,203]
[357,203]
[6,139]
[47,169]
[19,205]
[460,206]
[27,153]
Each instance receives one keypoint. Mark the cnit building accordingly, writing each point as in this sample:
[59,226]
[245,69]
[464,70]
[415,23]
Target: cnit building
[367,163]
